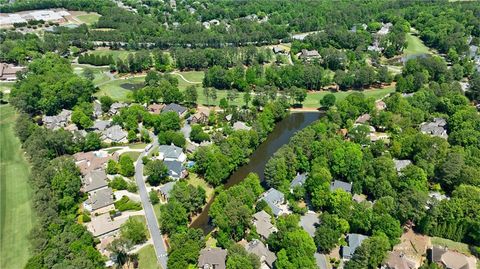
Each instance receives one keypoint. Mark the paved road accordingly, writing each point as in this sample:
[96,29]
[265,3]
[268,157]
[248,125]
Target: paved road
[160,248]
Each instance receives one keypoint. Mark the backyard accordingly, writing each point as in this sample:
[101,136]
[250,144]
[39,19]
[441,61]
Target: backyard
[16,215]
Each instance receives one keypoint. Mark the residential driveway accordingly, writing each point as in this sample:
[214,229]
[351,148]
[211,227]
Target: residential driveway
[186,130]
[158,243]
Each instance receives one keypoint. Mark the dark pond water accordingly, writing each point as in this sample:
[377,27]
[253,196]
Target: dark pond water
[282,133]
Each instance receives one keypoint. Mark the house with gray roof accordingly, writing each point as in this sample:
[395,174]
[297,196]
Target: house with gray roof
[101,125]
[98,199]
[176,170]
[263,224]
[275,200]
[267,258]
[94,180]
[299,180]
[435,128]
[58,121]
[309,54]
[354,241]
[180,110]
[171,153]
[278,50]
[166,188]
[212,258]
[114,134]
[116,107]
[401,164]
[240,125]
[337,184]
[97,109]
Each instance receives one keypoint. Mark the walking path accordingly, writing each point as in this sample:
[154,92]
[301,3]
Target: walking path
[186,80]
[156,235]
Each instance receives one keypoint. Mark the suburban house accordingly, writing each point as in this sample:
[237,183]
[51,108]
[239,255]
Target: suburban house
[155,108]
[380,105]
[401,164]
[276,201]
[165,189]
[267,258]
[200,117]
[171,153]
[114,134]
[115,108]
[180,110]
[363,119]
[212,258]
[103,225]
[240,125]
[99,199]
[94,180]
[354,241]
[435,128]
[337,184]
[278,50]
[385,28]
[376,136]
[309,54]
[93,160]
[176,170]
[299,180]
[101,125]
[450,259]
[8,72]
[398,260]
[263,224]
[58,121]
[309,222]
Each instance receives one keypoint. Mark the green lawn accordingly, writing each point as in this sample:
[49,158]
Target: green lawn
[114,89]
[147,258]
[192,76]
[195,180]
[414,46]
[89,18]
[460,247]
[133,154]
[137,146]
[313,99]
[98,72]
[16,214]
[6,86]
[116,54]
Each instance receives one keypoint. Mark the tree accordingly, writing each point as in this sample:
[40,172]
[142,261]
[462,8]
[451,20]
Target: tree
[157,172]
[106,101]
[88,74]
[198,135]
[370,253]
[206,92]
[120,247]
[300,95]
[192,198]
[239,258]
[173,217]
[132,136]
[329,231]
[185,247]
[247,96]
[112,167]
[92,142]
[191,95]
[223,103]
[125,165]
[328,100]
[153,197]
[134,231]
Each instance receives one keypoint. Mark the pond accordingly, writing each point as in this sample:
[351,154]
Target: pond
[280,135]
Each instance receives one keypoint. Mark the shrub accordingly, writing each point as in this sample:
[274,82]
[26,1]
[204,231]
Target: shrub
[154,197]
[126,204]
[118,183]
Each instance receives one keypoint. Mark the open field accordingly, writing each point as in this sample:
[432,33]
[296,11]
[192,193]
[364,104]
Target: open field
[115,90]
[116,54]
[313,99]
[133,154]
[147,259]
[16,214]
[89,18]
[415,46]
[99,73]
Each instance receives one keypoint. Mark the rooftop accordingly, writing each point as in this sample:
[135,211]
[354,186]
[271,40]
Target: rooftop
[175,108]
[435,128]
[259,249]
[94,180]
[212,258]
[175,169]
[401,164]
[240,125]
[337,184]
[274,198]
[299,180]
[170,151]
[100,198]
[263,224]
[398,260]
[103,224]
[354,241]
[166,188]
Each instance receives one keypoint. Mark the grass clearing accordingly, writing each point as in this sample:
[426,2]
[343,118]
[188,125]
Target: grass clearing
[195,180]
[16,213]
[460,247]
[98,72]
[192,76]
[414,45]
[116,54]
[147,258]
[114,88]
[313,99]
[89,18]
[133,154]
[137,146]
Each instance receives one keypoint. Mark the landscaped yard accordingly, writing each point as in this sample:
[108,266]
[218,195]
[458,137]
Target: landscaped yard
[89,18]
[147,258]
[415,46]
[133,154]
[313,99]
[16,214]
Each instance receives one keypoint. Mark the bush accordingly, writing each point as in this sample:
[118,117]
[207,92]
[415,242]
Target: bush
[126,167]
[126,204]
[112,168]
[118,183]
[132,187]
[154,197]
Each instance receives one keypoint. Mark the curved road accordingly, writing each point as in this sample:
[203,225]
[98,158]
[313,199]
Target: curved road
[158,243]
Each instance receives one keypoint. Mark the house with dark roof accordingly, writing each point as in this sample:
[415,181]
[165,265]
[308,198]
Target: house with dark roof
[278,50]
[435,128]
[58,121]
[116,107]
[337,184]
[263,224]
[166,188]
[99,199]
[401,164]
[299,180]
[180,110]
[101,125]
[114,134]
[94,180]
[176,170]
[309,55]
[275,200]
[354,241]
[450,259]
[212,258]
[171,153]
[267,258]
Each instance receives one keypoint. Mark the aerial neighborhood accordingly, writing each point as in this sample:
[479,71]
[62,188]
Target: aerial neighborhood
[181,134]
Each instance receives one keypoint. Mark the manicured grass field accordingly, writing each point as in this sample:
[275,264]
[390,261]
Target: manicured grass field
[114,89]
[133,154]
[89,18]
[137,146]
[16,214]
[415,46]
[460,247]
[98,72]
[192,76]
[116,54]
[313,99]
[147,258]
